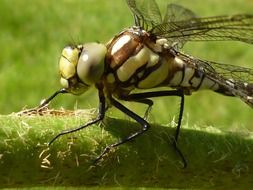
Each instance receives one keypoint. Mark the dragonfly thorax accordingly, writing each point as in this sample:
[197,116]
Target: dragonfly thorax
[134,60]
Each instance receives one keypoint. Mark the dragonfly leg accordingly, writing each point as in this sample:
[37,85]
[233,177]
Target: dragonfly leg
[45,102]
[147,102]
[180,116]
[143,96]
[144,124]
[100,117]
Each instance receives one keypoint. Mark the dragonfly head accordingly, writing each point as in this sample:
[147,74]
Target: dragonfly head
[81,66]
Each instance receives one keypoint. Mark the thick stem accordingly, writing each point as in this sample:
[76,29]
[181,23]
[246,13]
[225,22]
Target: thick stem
[215,159]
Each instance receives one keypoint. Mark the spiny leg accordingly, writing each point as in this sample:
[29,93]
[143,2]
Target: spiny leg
[45,102]
[180,116]
[144,124]
[100,117]
[180,93]
[39,109]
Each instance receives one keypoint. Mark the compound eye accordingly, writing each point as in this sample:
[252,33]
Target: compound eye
[90,67]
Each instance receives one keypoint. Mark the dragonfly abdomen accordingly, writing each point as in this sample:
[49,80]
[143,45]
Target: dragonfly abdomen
[189,77]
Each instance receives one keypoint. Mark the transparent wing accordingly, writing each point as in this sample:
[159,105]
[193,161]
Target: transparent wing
[219,28]
[233,80]
[175,13]
[146,12]
[181,24]
[148,15]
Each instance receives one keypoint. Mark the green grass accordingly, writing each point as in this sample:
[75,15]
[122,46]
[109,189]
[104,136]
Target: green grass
[33,33]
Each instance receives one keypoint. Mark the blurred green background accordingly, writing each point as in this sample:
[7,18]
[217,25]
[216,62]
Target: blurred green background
[33,33]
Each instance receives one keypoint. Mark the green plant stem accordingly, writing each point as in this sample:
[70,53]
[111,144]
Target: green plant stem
[215,159]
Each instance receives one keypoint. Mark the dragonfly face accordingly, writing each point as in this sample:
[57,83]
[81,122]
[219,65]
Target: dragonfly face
[147,56]
[81,66]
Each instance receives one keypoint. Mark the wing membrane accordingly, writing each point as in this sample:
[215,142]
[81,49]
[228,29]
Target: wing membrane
[220,28]
[181,24]
[176,12]
[146,12]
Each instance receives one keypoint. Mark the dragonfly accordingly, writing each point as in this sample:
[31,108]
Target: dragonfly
[147,56]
